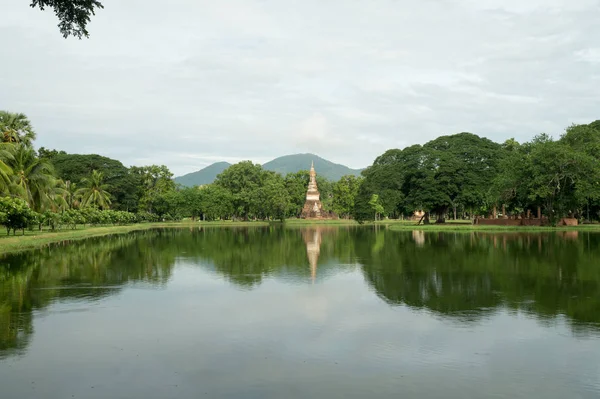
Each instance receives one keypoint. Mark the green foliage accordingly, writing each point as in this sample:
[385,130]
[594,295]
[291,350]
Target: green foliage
[460,174]
[326,190]
[124,187]
[153,181]
[243,181]
[344,195]
[15,214]
[468,174]
[16,128]
[296,185]
[376,205]
[32,178]
[73,15]
[216,202]
[558,176]
[94,191]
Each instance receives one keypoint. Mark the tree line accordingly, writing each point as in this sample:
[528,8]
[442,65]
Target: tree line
[458,176]
[55,189]
[464,175]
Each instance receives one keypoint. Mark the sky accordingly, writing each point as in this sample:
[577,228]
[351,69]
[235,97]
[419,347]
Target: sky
[186,83]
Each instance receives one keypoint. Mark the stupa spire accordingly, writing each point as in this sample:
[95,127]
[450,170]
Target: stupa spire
[312,206]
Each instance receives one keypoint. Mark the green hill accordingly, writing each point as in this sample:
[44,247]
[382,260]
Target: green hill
[203,176]
[284,165]
[294,163]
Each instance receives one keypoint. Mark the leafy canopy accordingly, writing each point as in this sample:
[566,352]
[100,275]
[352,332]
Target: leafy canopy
[73,15]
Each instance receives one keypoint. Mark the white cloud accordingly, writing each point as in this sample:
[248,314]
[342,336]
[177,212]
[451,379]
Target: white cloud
[194,82]
[591,55]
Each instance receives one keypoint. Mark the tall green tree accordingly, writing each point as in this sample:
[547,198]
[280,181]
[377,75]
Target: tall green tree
[94,191]
[153,181]
[243,181]
[125,187]
[5,170]
[71,197]
[272,199]
[448,173]
[216,202]
[376,206]
[462,166]
[344,194]
[16,128]
[32,179]
[296,185]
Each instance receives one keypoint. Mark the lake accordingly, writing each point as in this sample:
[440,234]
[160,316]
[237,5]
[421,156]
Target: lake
[321,312]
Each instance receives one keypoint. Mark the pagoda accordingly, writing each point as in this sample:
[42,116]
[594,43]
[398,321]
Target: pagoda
[313,209]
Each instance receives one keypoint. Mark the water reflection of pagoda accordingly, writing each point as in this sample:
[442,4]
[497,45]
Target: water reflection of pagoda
[312,238]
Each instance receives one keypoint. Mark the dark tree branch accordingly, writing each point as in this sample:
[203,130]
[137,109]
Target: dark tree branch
[73,15]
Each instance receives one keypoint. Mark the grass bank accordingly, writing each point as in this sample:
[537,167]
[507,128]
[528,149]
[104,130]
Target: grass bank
[468,227]
[38,239]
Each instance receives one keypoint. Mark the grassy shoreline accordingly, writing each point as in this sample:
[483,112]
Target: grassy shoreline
[36,239]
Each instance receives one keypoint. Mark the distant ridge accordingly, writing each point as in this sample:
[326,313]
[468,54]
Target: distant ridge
[284,165]
[296,162]
[202,176]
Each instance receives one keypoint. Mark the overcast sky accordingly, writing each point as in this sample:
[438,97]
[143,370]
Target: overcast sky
[188,82]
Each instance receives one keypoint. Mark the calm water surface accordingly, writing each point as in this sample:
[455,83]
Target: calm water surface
[303,313]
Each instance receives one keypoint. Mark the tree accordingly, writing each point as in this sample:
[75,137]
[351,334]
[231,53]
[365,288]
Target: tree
[326,191]
[49,155]
[446,173]
[296,185]
[376,205]
[216,202]
[562,179]
[71,194]
[273,200]
[16,128]
[5,170]
[74,15]
[586,139]
[558,176]
[461,168]
[94,191]
[191,202]
[125,186]
[15,214]
[344,194]
[243,181]
[32,179]
[153,181]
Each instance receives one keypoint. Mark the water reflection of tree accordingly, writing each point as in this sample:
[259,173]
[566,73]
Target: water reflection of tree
[460,276]
[33,280]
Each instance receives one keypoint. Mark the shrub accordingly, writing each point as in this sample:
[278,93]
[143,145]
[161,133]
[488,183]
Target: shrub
[15,214]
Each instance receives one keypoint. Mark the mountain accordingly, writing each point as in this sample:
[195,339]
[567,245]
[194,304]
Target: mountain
[294,163]
[203,176]
[284,165]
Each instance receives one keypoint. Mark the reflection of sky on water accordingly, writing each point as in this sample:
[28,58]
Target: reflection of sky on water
[366,323]
[331,339]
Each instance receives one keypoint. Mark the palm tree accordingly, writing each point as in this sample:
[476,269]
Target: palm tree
[58,196]
[32,178]
[5,170]
[71,197]
[15,128]
[94,191]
